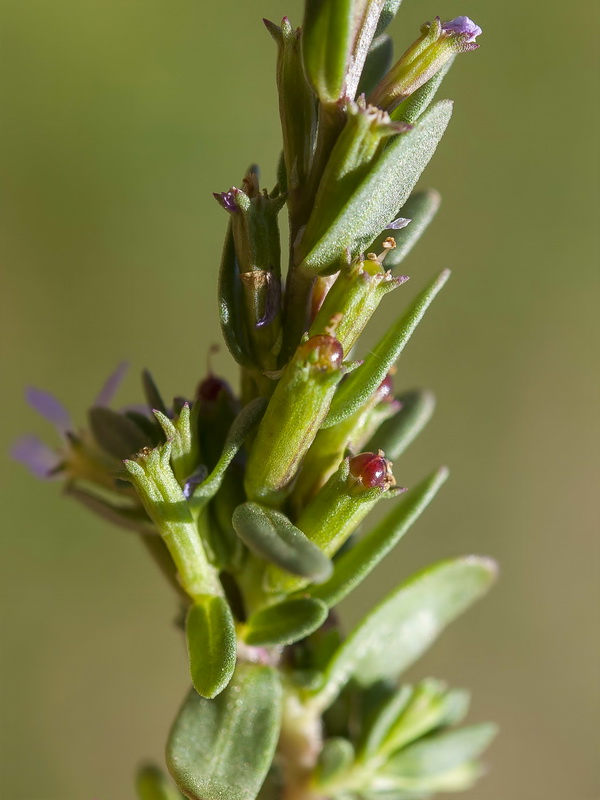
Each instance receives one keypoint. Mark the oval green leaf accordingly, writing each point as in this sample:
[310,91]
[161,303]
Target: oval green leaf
[402,627]
[212,644]
[286,622]
[223,748]
[270,535]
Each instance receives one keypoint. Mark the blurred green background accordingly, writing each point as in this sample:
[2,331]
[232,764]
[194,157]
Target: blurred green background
[120,119]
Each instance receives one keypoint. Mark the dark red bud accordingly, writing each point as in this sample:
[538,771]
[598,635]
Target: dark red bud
[321,351]
[210,388]
[372,470]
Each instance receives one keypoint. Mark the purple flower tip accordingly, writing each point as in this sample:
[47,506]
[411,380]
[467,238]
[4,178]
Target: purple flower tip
[462,26]
[50,408]
[36,456]
[227,201]
[398,224]
[111,385]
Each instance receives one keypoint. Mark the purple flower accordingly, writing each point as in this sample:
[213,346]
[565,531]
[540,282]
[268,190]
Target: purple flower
[41,460]
[227,200]
[463,26]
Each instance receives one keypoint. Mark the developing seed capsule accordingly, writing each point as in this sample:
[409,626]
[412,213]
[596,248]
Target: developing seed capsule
[371,470]
[337,510]
[294,415]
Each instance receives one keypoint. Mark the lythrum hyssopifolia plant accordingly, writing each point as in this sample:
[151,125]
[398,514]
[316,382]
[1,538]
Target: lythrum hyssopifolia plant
[253,502]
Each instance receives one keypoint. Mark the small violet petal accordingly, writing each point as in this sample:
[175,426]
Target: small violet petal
[227,201]
[397,224]
[463,25]
[111,385]
[36,456]
[194,480]
[50,408]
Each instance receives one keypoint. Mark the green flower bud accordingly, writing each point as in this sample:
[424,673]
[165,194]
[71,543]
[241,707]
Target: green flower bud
[293,417]
[361,141]
[257,249]
[354,297]
[337,510]
[438,43]
[331,444]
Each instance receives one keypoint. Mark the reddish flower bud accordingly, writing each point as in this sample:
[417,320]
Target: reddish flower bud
[372,469]
[211,387]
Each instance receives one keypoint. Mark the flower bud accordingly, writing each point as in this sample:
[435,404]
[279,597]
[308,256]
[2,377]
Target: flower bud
[337,510]
[293,417]
[331,444]
[438,43]
[257,249]
[353,299]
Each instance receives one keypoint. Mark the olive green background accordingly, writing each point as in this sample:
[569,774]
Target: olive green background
[120,119]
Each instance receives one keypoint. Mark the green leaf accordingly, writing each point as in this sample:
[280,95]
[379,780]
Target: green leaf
[212,643]
[151,393]
[271,536]
[241,426]
[152,784]
[441,753]
[396,433]
[331,233]
[388,12]
[378,62]
[326,40]
[231,308]
[360,385]
[286,622]
[355,564]
[223,748]
[116,434]
[336,757]
[420,208]
[383,720]
[402,627]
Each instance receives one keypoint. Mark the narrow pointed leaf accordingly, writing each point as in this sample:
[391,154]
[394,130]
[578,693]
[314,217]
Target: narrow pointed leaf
[388,12]
[356,563]
[223,748]
[331,233]
[402,627]
[384,719]
[153,396]
[211,642]
[119,436]
[286,622]
[362,383]
[396,433]
[270,535]
[152,784]
[420,208]
[439,754]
